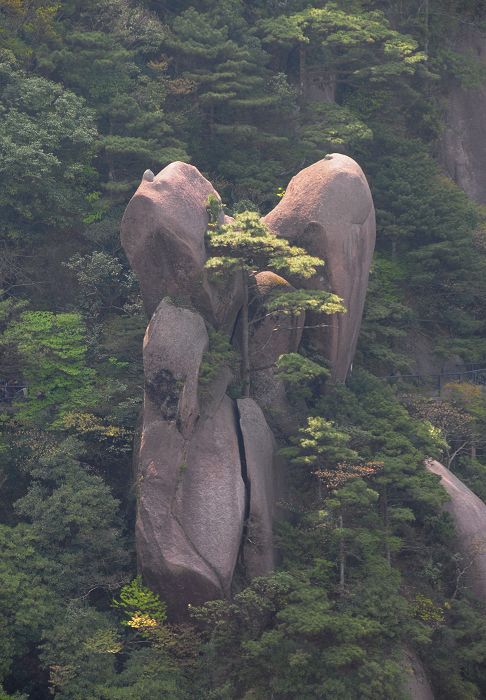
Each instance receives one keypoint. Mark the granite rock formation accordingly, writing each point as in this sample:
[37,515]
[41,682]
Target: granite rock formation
[208,478]
[417,686]
[264,479]
[328,209]
[191,494]
[469,515]
[162,233]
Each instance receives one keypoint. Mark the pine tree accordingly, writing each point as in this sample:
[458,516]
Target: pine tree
[246,246]
[238,103]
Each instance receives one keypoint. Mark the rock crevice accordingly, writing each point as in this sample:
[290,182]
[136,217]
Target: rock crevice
[246,481]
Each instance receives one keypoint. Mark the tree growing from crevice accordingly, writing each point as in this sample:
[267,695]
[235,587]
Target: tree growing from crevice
[246,246]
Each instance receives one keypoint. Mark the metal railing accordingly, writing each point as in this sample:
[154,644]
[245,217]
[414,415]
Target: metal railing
[438,381]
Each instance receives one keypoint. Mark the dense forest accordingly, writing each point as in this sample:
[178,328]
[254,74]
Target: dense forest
[93,93]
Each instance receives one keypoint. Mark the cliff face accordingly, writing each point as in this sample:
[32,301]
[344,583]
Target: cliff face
[208,476]
[469,515]
[463,147]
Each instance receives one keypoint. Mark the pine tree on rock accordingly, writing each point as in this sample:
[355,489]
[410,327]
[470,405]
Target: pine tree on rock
[247,245]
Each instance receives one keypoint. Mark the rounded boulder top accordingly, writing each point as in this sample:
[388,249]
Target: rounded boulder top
[328,210]
[163,235]
[334,190]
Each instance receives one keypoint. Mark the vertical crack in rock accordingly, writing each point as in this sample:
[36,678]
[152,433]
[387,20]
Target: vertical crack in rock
[246,482]
[233,336]
[262,474]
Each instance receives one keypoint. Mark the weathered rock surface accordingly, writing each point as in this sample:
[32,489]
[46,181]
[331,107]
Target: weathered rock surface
[208,477]
[463,141]
[265,483]
[271,336]
[417,685]
[174,344]
[469,514]
[191,494]
[328,209]
[162,233]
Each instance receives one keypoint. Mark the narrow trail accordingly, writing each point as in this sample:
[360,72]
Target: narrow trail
[469,514]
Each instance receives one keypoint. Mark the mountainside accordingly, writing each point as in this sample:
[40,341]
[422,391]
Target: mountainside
[464,152]
[296,447]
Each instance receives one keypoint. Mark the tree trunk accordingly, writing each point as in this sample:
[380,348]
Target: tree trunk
[302,71]
[386,523]
[342,556]
[427,27]
[245,352]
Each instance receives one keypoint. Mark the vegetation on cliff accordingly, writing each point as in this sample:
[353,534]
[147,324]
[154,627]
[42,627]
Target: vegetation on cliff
[92,94]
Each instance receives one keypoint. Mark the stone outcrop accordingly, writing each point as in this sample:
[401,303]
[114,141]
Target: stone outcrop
[328,209]
[469,515]
[163,232]
[463,142]
[264,478]
[208,477]
[191,494]
[171,376]
[273,334]
[197,469]
[417,686]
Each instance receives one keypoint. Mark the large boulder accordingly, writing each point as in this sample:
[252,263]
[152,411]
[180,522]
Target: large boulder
[207,475]
[173,348]
[191,493]
[264,477]
[469,515]
[328,209]
[463,142]
[162,233]
[416,686]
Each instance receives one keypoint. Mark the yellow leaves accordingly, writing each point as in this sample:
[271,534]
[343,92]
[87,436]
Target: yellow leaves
[462,392]
[425,610]
[345,471]
[160,65]
[141,621]
[12,5]
[34,16]
[181,86]
[89,423]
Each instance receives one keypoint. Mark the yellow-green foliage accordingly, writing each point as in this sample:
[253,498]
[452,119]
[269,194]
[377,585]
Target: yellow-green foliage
[53,348]
[137,602]
[300,373]
[247,243]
